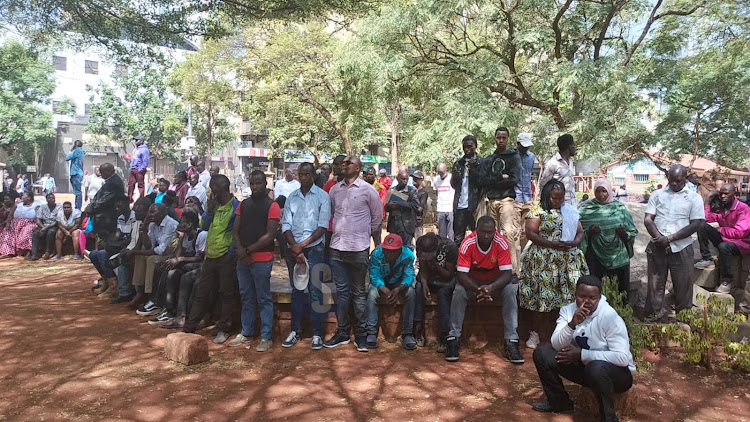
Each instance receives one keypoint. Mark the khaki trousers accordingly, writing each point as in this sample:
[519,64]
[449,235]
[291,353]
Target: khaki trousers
[143,270]
[504,213]
[523,208]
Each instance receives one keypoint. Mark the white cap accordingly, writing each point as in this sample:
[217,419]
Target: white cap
[524,139]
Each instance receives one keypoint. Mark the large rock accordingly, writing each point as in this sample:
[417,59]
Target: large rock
[185,348]
[727,300]
[626,404]
[708,278]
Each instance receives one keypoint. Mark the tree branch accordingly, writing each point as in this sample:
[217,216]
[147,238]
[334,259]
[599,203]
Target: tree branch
[558,31]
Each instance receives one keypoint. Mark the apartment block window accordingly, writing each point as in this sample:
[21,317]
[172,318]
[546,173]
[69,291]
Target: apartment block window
[121,69]
[640,177]
[92,67]
[61,63]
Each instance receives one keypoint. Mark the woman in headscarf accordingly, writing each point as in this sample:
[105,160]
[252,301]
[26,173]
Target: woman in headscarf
[552,263]
[610,232]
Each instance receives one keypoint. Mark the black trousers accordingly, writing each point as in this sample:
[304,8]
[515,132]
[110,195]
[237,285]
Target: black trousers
[221,272]
[707,233]
[48,240]
[596,268]
[462,219]
[603,378]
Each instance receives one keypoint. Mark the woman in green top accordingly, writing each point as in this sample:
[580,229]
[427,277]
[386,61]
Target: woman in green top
[609,235]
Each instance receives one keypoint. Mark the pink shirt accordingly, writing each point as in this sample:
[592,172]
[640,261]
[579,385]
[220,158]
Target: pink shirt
[734,225]
[357,212]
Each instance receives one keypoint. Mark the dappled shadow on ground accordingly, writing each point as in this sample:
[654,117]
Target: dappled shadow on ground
[64,355]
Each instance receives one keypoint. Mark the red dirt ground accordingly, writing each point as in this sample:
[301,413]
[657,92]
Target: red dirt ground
[66,356]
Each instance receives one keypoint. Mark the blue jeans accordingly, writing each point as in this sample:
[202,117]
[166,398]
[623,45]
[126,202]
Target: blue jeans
[125,280]
[506,298]
[255,291]
[445,224]
[407,311]
[349,271]
[301,303]
[100,259]
[444,298]
[75,181]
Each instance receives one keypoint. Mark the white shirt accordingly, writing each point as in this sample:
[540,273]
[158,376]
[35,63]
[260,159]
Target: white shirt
[203,178]
[198,191]
[284,188]
[463,198]
[199,242]
[559,169]
[673,211]
[445,193]
[94,184]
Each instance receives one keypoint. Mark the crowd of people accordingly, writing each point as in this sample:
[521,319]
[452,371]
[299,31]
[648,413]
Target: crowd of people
[181,253]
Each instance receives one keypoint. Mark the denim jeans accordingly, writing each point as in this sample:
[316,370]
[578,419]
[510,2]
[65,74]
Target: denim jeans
[75,182]
[100,259]
[407,311]
[445,224]
[255,292]
[444,298]
[349,271]
[302,303]
[506,298]
[49,240]
[125,280]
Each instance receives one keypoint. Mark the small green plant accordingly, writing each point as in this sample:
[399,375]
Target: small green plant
[711,324]
[640,335]
[650,188]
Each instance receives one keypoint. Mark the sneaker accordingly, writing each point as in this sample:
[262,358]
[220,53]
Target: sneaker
[264,345]
[291,340]
[337,340]
[150,308]
[421,341]
[533,340]
[513,352]
[55,258]
[317,343]
[451,349]
[704,263]
[725,287]
[360,342]
[121,299]
[546,407]
[409,342]
[164,316]
[372,341]
[221,337]
[174,323]
[239,340]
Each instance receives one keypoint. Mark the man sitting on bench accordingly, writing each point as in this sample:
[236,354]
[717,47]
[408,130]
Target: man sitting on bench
[590,346]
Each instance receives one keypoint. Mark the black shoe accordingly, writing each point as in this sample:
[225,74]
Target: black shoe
[546,407]
[451,349]
[121,299]
[513,353]
[360,342]
[337,340]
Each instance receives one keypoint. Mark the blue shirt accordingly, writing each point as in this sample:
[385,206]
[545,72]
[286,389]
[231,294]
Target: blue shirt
[380,268]
[303,214]
[523,188]
[141,157]
[76,162]
[160,235]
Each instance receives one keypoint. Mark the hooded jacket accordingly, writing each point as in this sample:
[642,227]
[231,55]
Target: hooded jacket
[492,170]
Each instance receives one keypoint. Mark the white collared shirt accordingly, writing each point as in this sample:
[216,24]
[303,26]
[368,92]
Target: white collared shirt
[673,211]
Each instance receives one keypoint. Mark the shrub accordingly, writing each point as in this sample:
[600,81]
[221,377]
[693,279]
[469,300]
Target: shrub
[640,335]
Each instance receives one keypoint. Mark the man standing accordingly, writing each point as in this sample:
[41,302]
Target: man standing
[322,177]
[76,170]
[465,181]
[590,346]
[357,217]
[203,175]
[444,205]
[422,197]
[197,190]
[498,176]
[219,268]
[46,228]
[138,166]
[524,195]
[255,226]
[102,208]
[402,210]
[307,213]
[673,214]
[93,184]
[287,185]
[560,167]
[484,275]
[732,238]
[392,277]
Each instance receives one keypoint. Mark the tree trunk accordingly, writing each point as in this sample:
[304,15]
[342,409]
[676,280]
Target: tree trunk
[395,125]
[210,129]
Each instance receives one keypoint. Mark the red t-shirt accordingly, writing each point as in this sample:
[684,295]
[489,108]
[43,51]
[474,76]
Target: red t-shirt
[329,184]
[274,213]
[484,266]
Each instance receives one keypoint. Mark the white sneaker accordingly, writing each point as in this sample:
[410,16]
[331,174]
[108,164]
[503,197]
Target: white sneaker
[704,263]
[238,341]
[725,287]
[533,340]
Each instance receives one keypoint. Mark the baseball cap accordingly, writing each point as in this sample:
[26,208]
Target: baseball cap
[139,138]
[525,139]
[418,174]
[392,242]
[301,275]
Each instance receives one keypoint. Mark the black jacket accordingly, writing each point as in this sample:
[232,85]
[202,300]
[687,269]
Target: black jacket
[102,207]
[457,179]
[403,220]
[492,170]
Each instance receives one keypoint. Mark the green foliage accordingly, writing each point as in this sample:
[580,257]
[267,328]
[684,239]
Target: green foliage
[640,335]
[26,84]
[710,324]
[651,187]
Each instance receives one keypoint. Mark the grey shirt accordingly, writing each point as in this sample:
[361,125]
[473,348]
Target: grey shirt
[160,235]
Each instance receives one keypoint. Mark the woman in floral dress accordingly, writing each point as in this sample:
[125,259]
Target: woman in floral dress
[15,240]
[553,262]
